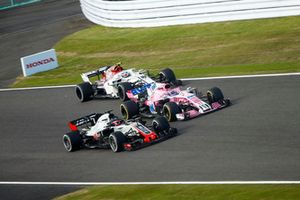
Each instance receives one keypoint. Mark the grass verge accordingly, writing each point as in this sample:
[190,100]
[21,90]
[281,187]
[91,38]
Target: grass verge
[212,49]
[173,192]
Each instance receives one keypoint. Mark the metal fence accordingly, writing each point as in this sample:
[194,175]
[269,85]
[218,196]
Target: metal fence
[5,4]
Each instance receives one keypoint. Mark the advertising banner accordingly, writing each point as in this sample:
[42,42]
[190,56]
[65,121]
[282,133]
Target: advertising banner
[39,62]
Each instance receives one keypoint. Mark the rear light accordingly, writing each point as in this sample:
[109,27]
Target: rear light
[147,139]
[128,146]
[73,127]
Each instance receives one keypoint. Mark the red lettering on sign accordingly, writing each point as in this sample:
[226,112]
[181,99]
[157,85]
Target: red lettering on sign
[40,62]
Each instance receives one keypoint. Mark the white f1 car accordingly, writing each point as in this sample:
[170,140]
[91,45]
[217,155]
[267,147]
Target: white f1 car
[114,80]
[105,130]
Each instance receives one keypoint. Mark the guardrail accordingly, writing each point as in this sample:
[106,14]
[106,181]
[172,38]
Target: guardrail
[152,13]
[6,4]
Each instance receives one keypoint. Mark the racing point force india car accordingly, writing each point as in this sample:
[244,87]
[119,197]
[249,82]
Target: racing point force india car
[108,131]
[115,78]
[172,102]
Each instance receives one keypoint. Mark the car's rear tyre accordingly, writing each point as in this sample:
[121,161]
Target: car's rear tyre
[178,82]
[214,95]
[170,109]
[116,141]
[122,89]
[129,109]
[167,75]
[84,91]
[72,141]
[160,124]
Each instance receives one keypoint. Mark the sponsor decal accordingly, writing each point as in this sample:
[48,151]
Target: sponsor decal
[173,93]
[41,62]
[142,89]
[153,87]
[152,108]
[143,129]
[191,96]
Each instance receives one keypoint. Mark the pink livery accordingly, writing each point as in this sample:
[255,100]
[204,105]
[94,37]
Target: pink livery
[171,101]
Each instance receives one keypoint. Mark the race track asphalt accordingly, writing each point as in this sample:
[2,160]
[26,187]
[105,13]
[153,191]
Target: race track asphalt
[255,139]
[34,28]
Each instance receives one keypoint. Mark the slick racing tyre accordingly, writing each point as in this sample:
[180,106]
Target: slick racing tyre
[116,141]
[167,75]
[72,141]
[170,109]
[214,95]
[122,89]
[129,109]
[84,91]
[160,124]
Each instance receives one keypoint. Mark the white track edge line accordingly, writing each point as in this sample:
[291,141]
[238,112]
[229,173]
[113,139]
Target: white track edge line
[36,88]
[242,76]
[152,183]
[184,79]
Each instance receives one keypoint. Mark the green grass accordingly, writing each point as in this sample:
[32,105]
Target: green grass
[190,192]
[211,49]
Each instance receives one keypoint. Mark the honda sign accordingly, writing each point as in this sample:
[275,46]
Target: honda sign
[39,62]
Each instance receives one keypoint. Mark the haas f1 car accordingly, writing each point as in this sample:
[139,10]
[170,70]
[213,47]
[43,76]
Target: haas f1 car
[171,101]
[107,131]
[113,79]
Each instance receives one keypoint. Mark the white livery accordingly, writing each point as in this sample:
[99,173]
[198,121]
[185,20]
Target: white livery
[114,81]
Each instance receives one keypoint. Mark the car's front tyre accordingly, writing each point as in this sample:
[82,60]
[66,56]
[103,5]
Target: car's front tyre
[160,124]
[116,141]
[170,109]
[214,94]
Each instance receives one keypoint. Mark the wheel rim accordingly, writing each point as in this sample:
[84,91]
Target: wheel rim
[113,144]
[67,143]
[124,112]
[79,93]
[167,113]
[209,97]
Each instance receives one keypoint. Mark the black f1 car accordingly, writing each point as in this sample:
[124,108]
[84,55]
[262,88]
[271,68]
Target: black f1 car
[105,130]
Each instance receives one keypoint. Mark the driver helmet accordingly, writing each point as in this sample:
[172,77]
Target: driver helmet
[167,86]
[125,74]
[117,68]
[117,122]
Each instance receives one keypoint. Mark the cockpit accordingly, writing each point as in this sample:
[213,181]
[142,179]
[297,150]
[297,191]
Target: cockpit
[114,120]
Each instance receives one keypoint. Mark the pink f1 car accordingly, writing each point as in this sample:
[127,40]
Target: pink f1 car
[171,101]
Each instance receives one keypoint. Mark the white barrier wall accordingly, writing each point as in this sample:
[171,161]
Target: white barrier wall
[151,13]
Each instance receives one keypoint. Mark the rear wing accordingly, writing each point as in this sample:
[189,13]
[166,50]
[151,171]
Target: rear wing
[86,76]
[86,120]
